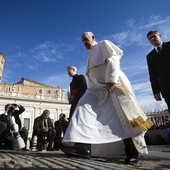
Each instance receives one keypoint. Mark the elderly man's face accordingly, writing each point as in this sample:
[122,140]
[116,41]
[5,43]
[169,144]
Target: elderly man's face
[46,115]
[88,40]
[71,72]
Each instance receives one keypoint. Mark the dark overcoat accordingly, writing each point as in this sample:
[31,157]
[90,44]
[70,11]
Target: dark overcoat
[159,70]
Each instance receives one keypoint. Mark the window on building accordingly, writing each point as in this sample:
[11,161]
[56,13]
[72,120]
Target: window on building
[8,89]
[56,93]
[40,91]
[26,123]
[48,91]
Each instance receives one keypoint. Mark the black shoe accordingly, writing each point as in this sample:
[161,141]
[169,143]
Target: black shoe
[50,149]
[84,153]
[70,151]
[40,146]
[131,160]
[76,152]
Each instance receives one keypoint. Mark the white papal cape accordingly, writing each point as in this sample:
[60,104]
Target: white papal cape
[105,118]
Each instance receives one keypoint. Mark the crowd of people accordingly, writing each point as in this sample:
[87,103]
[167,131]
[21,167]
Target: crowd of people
[14,137]
[105,111]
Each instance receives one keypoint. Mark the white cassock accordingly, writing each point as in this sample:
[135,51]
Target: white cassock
[104,118]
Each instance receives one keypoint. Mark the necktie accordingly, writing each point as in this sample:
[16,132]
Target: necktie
[45,122]
[159,49]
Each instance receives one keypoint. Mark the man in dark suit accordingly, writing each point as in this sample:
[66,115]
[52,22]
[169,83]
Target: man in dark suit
[44,130]
[60,128]
[159,67]
[78,86]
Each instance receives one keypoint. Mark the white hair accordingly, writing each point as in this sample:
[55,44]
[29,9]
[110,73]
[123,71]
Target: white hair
[72,67]
[88,33]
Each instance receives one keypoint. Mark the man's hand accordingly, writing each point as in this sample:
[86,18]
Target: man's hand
[157,97]
[110,86]
[45,129]
[70,99]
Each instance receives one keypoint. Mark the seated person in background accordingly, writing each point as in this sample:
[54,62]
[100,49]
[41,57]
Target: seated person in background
[8,140]
[43,129]
[60,128]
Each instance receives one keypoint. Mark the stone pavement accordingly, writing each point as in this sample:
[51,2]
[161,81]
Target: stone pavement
[158,158]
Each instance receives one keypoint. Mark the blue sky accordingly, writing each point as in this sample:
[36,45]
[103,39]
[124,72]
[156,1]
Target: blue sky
[40,38]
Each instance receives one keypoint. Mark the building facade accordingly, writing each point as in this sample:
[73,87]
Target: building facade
[36,97]
[159,118]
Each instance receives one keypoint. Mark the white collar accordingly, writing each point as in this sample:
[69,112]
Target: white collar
[156,47]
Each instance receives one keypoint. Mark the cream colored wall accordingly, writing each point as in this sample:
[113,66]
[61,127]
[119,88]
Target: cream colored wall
[32,90]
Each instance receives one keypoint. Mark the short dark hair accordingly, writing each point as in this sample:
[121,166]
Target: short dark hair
[7,105]
[153,32]
[46,111]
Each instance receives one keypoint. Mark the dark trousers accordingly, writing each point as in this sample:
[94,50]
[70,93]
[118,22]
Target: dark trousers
[3,127]
[130,149]
[168,104]
[11,143]
[24,134]
[47,137]
[72,108]
[58,139]
[7,141]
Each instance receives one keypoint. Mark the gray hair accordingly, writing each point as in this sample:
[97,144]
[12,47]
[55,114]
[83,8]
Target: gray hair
[88,33]
[46,111]
[72,67]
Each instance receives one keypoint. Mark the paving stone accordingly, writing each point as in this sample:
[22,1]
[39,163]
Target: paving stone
[158,158]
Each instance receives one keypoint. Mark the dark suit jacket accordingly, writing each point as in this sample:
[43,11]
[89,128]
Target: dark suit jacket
[38,125]
[159,70]
[78,86]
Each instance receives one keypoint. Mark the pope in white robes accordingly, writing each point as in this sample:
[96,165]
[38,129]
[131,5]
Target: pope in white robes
[108,111]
